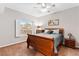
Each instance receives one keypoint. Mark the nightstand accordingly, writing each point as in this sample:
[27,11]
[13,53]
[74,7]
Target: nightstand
[70,43]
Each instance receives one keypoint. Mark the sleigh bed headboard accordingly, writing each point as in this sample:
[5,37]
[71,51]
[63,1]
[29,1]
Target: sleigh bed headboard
[61,30]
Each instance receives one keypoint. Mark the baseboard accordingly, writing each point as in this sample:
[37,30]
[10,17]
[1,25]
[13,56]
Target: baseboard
[11,44]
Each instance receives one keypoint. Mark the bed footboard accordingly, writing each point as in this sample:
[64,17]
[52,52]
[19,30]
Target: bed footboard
[41,44]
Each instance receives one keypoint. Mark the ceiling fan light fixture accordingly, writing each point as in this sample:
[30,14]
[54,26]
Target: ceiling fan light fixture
[43,5]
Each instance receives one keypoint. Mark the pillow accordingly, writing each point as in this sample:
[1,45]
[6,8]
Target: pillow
[49,32]
[56,31]
[46,31]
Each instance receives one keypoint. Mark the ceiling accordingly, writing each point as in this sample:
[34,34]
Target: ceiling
[30,8]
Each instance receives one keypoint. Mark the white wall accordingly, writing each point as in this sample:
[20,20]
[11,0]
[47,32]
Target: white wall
[69,19]
[7,27]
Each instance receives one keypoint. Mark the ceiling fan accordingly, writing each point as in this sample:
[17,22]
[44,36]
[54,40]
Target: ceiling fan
[44,7]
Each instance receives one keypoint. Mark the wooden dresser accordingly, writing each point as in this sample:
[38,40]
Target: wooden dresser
[70,43]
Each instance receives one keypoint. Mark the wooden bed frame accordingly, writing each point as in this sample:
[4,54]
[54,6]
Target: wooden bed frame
[43,44]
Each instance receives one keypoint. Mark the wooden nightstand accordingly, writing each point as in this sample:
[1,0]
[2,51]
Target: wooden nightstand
[70,43]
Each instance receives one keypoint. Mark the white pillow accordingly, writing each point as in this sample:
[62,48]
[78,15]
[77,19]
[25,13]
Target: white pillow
[46,31]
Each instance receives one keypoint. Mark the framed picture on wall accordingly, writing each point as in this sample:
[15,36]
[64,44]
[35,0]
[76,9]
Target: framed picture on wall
[50,23]
[53,22]
[56,22]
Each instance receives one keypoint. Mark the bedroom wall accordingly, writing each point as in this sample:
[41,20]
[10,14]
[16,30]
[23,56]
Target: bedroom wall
[7,27]
[69,19]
